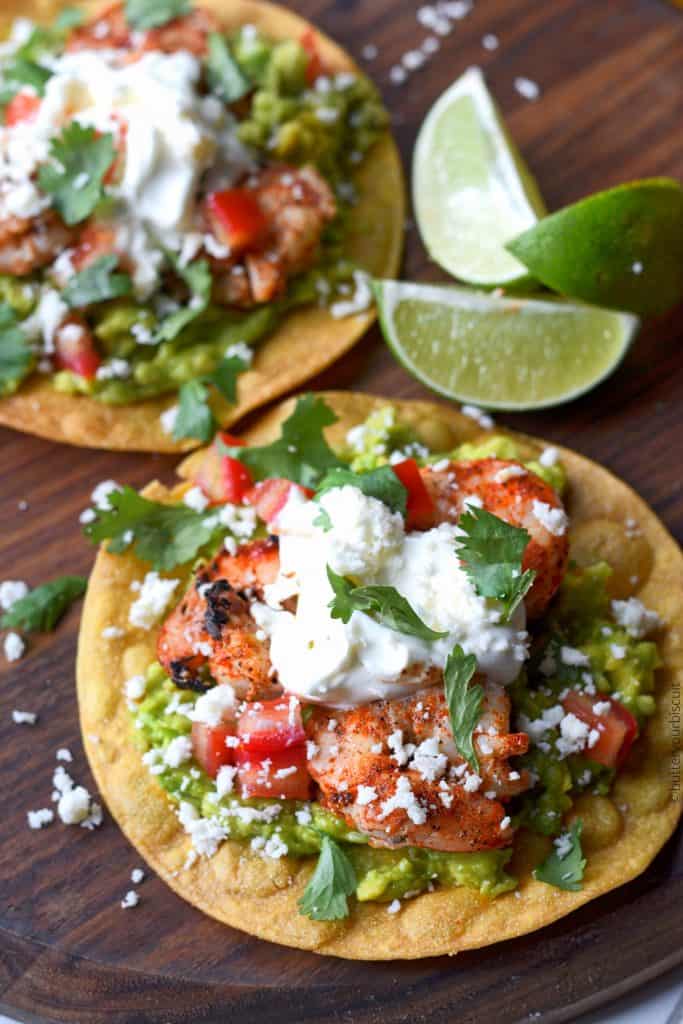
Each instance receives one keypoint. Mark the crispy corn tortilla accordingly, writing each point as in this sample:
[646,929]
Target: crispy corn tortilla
[621,833]
[304,344]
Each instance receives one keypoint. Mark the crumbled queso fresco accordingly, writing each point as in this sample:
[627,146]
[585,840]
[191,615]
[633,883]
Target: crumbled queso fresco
[154,595]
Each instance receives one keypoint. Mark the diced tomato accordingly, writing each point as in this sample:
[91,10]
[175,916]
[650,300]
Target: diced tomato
[270,496]
[75,348]
[221,477]
[420,508]
[273,776]
[617,727]
[314,68]
[269,726]
[23,106]
[209,746]
[115,171]
[236,218]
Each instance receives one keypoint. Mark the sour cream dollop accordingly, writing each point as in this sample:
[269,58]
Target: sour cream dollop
[343,664]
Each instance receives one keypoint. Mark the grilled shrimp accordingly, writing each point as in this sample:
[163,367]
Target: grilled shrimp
[110,30]
[392,771]
[297,203]
[212,631]
[28,244]
[515,495]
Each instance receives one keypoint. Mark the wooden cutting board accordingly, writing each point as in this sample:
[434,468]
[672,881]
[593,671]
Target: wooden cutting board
[610,110]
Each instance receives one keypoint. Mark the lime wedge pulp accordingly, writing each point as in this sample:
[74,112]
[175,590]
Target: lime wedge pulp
[471,190]
[501,353]
[621,248]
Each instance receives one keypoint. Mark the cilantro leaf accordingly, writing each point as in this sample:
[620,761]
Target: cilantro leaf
[19,73]
[381,483]
[301,454]
[333,881]
[97,283]
[195,417]
[144,14]
[74,178]
[565,872]
[42,608]
[16,357]
[224,75]
[491,553]
[390,607]
[163,535]
[197,277]
[464,701]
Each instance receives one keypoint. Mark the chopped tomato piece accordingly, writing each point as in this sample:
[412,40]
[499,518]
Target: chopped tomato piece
[75,348]
[420,508]
[269,726]
[617,727]
[270,496]
[282,774]
[115,172]
[236,218]
[315,67]
[23,106]
[209,746]
[221,477]
[95,240]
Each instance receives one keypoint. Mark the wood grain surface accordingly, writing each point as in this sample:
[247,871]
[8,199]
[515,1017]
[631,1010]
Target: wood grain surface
[610,110]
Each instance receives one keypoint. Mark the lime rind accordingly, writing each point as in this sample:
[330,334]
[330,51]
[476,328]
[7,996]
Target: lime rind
[621,248]
[521,354]
[472,192]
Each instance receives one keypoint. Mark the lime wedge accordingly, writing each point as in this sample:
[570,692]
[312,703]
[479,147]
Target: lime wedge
[502,353]
[621,248]
[471,190]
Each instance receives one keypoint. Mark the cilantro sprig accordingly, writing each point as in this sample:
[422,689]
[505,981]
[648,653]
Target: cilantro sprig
[381,483]
[491,552]
[333,881]
[19,73]
[384,603]
[224,75]
[195,417]
[74,176]
[464,701]
[301,453]
[24,67]
[145,14]
[97,283]
[162,535]
[16,357]
[565,871]
[42,608]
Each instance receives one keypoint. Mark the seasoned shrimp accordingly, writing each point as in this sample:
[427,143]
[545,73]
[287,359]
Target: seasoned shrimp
[296,203]
[29,244]
[509,491]
[110,30]
[212,631]
[392,770]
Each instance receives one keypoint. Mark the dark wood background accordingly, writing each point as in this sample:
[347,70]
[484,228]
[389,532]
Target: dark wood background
[611,110]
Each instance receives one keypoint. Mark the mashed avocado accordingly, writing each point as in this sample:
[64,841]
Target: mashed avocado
[383,875]
[331,125]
